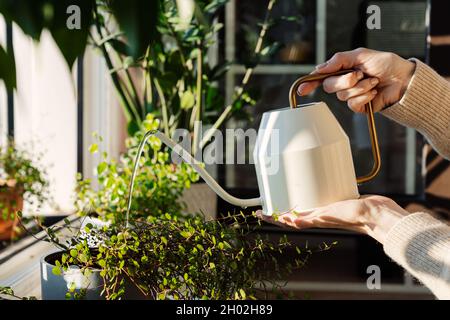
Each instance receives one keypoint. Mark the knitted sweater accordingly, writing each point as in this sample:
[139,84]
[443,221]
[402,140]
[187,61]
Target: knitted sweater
[419,242]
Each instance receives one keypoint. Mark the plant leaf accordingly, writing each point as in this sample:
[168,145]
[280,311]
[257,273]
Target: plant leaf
[7,69]
[138,20]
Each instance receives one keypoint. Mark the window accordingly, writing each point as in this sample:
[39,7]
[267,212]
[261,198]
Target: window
[322,31]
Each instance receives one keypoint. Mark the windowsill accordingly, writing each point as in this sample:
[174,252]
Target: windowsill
[19,263]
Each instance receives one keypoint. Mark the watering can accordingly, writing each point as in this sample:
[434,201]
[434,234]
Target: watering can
[314,165]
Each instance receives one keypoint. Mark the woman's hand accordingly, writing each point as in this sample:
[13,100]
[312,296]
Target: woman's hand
[387,76]
[371,215]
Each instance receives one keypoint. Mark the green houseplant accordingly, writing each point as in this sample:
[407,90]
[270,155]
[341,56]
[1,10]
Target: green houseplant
[169,257]
[159,183]
[21,178]
[175,78]
[156,52]
[157,56]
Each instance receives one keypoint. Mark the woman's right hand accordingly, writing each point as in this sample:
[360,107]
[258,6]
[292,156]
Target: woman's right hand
[380,77]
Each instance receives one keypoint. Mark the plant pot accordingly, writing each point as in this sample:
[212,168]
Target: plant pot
[11,199]
[199,198]
[55,287]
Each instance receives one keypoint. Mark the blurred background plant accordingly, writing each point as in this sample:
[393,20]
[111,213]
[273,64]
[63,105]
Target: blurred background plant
[159,184]
[175,79]
[21,178]
[157,53]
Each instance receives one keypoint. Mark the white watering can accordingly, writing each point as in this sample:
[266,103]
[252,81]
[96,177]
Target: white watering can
[313,161]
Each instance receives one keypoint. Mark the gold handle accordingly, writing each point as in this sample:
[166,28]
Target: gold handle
[370,119]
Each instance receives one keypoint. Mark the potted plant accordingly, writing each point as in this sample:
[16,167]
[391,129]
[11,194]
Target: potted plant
[159,252]
[159,184]
[175,80]
[168,257]
[20,179]
[157,53]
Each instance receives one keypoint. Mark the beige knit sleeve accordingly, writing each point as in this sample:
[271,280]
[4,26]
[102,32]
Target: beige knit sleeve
[425,106]
[421,244]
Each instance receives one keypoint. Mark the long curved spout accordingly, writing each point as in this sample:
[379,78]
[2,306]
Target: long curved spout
[244,203]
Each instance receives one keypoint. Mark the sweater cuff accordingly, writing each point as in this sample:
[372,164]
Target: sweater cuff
[421,244]
[425,107]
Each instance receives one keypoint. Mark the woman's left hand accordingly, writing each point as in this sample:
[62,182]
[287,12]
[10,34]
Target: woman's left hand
[372,215]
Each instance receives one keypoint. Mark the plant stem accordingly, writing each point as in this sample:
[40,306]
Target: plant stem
[248,73]
[130,111]
[197,112]
[147,81]
[178,42]
[163,106]
[135,96]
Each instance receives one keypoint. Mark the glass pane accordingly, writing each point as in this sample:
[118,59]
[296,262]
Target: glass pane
[403,30]
[403,27]
[294,28]
[273,94]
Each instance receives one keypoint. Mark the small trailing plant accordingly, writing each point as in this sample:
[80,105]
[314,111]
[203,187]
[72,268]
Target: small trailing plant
[170,257]
[159,184]
[23,174]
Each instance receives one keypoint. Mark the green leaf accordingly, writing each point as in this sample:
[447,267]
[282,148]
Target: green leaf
[242,292]
[28,15]
[138,20]
[219,70]
[56,271]
[74,253]
[101,263]
[35,16]
[185,234]
[119,46]
[7,69]
[93,148]
[72,42]
[102,167]
[187,100]
[132,127]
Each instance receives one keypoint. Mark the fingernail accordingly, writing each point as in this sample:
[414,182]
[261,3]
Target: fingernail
[359,75]
[322,65]
[374,92]
[374,81]
[301,90]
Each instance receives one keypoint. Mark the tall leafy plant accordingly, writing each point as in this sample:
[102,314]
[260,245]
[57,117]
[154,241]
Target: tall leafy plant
[175,78]
[137,19]
[157,53]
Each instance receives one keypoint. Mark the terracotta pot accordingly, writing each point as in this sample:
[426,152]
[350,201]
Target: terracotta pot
[11,198]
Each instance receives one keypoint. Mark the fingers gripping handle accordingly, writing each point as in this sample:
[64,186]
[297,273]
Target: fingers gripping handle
[370,119]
